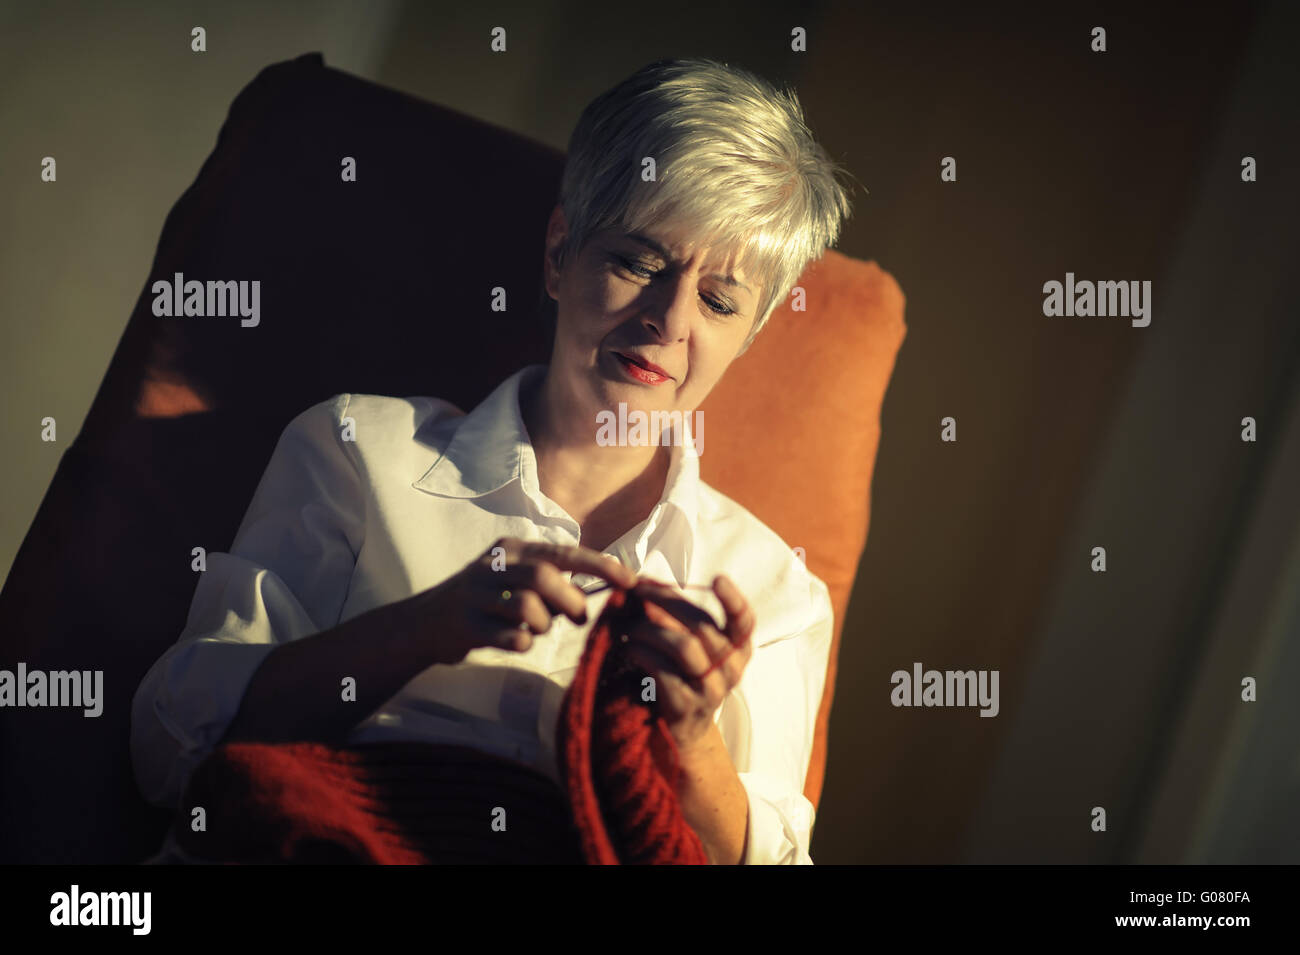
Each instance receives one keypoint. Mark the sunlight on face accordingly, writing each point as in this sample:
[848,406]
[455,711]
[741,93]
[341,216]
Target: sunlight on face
[652,299]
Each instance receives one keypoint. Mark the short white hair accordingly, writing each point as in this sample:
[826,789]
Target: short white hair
[735,163]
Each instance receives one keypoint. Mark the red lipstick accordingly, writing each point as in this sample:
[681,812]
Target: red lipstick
[643,371]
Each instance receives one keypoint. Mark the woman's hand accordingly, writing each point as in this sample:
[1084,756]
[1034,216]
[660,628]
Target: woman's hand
[505,596]
[694,665]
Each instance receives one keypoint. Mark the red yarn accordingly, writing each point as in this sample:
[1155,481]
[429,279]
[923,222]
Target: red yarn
[402,802]
[386,803]
[625,810]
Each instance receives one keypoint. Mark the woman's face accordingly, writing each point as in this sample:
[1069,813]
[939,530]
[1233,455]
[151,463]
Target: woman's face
[655,300]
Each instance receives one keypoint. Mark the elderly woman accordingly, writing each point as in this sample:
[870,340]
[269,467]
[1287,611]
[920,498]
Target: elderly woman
[439,562]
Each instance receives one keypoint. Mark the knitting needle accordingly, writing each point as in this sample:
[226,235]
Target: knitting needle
[609,586]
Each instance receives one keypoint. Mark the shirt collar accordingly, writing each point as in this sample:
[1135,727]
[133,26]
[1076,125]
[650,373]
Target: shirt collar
[491,449]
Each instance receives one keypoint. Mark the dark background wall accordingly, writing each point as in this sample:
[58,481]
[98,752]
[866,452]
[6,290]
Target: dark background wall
[1119,690]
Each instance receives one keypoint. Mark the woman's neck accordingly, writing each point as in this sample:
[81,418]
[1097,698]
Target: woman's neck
[607,490]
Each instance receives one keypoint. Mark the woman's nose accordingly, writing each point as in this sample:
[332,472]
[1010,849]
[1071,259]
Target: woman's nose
[671,316]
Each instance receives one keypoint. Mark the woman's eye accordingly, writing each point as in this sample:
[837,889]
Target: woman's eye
[638,270]
[641,271]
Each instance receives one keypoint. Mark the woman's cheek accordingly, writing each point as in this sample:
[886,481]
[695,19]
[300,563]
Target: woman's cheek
[613,295]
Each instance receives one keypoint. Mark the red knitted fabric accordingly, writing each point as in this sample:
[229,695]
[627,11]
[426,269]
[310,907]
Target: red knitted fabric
[624,808]
[373,803]
[414,802]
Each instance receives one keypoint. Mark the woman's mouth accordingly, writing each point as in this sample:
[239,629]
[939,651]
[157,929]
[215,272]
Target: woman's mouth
[640,372]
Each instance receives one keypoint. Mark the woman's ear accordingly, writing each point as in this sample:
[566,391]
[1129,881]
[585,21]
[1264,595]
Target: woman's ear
[557,231]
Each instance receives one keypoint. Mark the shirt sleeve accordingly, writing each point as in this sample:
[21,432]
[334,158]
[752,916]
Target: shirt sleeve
[286,576]
[771,719]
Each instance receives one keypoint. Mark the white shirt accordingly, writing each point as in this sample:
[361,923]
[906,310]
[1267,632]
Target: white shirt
[338,527]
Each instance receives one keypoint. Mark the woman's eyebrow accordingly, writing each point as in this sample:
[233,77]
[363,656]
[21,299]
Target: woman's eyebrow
[646,240]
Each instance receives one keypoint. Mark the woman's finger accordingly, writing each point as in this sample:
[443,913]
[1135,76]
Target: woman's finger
[670,688]
[493,634]
[686,653]
[574,558]
[715,643]
[740,615]
[685,695]
[726,660]
[709,678]
[517,606]
[546,581]
[520,641]
[683,611]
